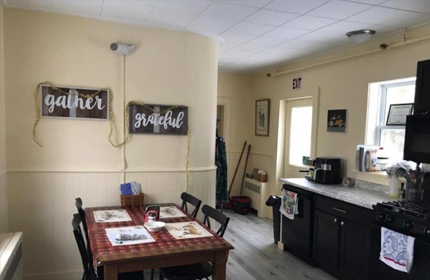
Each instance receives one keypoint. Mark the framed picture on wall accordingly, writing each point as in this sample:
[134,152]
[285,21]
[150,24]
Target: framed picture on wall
[262,117]
[398,113]
[336,120]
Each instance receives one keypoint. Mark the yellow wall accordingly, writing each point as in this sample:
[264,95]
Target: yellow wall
[234,91]
[168,67]
[3,175]
[342,85]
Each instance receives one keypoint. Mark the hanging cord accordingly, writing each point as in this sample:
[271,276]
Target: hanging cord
[187,173]
[124,155]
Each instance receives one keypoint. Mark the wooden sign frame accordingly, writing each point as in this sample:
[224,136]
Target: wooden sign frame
[76,106]
[167,122]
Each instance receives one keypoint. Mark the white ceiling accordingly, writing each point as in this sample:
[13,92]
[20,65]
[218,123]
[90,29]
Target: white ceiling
[254,34]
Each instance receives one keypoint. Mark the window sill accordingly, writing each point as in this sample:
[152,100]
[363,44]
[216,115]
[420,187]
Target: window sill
[379,177]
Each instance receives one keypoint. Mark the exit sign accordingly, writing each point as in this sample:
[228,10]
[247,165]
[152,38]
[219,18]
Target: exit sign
[297,83]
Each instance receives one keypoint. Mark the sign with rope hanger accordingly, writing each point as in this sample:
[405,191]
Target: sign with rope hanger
[58,101]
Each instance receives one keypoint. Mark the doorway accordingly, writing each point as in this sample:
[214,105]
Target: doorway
[220,120]
[298,135]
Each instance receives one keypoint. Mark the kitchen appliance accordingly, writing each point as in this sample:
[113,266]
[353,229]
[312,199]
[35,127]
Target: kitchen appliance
[417,139]
[297,234]
[413,219]
[328,171]
[422,88]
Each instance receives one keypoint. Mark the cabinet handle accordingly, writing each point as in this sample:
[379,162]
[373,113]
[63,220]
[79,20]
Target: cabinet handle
[335,220]
[339,210]
[342,223]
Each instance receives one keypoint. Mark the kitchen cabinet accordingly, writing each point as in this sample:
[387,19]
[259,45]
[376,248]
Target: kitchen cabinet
[422,89]
[341,246]
[354,257]
[326,242]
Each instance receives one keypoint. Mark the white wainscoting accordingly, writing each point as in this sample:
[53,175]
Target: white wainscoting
[41,205]
[3,203]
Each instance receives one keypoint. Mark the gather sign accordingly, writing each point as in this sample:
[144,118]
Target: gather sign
[159,120]
[68,102]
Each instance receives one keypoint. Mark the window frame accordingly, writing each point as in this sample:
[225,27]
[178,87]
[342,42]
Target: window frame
[382,109]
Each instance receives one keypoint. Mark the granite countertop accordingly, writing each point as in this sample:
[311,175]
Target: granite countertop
[355,195]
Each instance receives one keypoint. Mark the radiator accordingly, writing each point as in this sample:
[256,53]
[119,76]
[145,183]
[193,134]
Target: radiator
[258,192]
[11,263]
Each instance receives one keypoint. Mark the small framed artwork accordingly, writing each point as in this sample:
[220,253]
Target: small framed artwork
[398,113]
[336,120]
[262,117]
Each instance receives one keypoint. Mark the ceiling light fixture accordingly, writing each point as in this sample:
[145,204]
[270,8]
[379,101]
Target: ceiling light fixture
[361,36]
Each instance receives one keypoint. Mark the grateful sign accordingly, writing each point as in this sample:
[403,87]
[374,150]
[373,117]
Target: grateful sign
[158,119]
[76,103]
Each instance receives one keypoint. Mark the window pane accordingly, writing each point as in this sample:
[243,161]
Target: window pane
[399,95]
[393,140]
[300,134]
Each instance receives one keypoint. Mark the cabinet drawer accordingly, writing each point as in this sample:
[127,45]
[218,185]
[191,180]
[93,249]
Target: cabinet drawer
[345,211]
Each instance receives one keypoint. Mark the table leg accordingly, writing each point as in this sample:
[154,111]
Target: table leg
[219,266]
[111,272]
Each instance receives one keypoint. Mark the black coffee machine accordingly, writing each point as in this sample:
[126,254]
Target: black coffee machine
[327,171]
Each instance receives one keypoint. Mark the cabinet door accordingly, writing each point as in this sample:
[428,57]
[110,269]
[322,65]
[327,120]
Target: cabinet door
[326,242]
[422,95]
[355,251]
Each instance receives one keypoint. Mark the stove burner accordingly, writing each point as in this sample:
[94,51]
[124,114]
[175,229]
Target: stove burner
[419,209]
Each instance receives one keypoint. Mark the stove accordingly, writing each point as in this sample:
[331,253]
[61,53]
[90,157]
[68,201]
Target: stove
[408,217]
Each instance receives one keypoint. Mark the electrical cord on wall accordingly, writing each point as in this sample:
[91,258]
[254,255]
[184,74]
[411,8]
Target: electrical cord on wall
[124,157]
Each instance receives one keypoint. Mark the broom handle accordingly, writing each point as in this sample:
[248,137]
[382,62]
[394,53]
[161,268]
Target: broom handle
[244,171]
[237,167]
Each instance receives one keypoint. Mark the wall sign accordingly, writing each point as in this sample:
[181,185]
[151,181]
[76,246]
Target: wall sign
[169,121]
[79,103]
[297,83]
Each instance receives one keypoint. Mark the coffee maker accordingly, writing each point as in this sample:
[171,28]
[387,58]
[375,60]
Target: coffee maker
[327,171]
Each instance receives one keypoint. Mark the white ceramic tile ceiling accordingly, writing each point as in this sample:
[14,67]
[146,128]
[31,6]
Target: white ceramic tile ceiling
[253,34]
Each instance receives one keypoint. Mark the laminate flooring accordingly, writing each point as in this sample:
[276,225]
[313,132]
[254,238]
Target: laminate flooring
[256,256]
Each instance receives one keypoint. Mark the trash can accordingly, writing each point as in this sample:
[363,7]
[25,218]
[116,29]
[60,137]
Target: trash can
[275,202]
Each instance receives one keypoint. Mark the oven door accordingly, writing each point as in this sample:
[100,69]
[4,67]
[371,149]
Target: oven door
[420,268]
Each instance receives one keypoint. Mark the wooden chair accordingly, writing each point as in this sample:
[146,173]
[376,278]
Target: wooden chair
[188,198]
[89,273]
[81,211]
[199,270]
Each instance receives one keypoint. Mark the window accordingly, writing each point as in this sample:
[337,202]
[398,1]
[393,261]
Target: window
[300,134]
[392,138]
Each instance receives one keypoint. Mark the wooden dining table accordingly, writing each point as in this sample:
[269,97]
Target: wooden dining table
[166,251]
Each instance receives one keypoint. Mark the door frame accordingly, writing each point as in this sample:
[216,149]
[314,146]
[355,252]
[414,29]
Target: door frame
[287,136]
[281,132]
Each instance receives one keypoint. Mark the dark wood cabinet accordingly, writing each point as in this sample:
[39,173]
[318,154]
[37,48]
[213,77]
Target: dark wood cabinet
[354,251]
[341,247]
[422,88]
[326,242]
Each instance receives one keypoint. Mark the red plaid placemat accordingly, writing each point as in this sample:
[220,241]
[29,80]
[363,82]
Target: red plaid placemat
[101,247]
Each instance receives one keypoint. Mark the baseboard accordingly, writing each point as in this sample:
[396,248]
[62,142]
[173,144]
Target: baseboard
[70,275]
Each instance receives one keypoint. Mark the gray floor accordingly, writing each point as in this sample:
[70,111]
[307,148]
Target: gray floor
[256,257]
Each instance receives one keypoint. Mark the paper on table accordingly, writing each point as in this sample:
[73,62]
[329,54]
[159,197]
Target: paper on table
[112,233]
[111,216]
[170,212]
[187,230]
